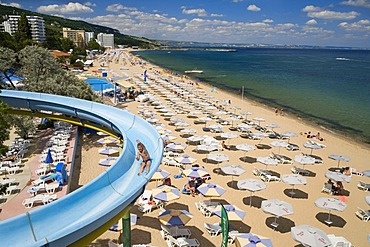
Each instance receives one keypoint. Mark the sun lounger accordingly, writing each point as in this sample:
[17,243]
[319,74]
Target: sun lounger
[281,158]
[292,147]
[10,190]
[213,229]
[363,186]
[269,178]
[42,198]
[297,170]
[364,215]
[327,188]
[175,232]
[182,242]
[44,179]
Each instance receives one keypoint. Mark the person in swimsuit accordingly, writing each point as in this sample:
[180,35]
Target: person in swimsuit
[143,153]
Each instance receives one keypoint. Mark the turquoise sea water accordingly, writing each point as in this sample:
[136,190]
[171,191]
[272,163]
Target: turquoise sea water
[328,87]
[99,84]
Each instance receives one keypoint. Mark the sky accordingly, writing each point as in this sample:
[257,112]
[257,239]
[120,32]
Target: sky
[281,22]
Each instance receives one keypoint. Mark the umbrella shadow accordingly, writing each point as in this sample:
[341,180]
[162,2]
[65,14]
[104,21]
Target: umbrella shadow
[248,159]
[239,226]
[232,184]
[274,173]
[176,205]
[205,160]
[337,221]
[199,234]
[344,192]
[231,148]
[298,194]
[256,201]
[284,224]
[334,169]
[309,174]
[140,237]
[263,146]
[220,201]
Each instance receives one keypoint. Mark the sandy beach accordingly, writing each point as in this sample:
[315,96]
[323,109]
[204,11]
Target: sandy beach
[147,229]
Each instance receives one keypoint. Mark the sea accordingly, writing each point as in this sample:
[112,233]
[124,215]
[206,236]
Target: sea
[329,87]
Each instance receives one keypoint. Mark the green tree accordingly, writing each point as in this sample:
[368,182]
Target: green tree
[43,74]
[4,126]
[66,44]
[53,40]
[23,34]
[7,65]
[23,125]
[93,45]
[8,41]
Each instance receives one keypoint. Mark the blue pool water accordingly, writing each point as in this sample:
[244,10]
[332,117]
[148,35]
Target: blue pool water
[99,84]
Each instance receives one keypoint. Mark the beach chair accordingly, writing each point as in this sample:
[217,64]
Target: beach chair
[182,242]
[10,190]
[42,198]
[281,158]
[297,170]
[363,186]
[232,236]
[327,188]
[292,147]
[364,215]
[175,232]
[269,178]
[213,229]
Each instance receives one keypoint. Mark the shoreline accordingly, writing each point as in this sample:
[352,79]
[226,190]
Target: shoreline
[146,231]
[249,98]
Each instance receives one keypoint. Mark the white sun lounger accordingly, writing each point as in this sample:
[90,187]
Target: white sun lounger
[42,198]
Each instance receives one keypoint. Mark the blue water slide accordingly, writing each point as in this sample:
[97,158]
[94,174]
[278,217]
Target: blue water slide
[84,211]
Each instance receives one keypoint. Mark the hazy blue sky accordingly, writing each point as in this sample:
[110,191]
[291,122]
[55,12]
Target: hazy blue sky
[334,23]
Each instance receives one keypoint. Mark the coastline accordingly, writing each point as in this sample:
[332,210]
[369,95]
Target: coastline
[147,229]
[334,126]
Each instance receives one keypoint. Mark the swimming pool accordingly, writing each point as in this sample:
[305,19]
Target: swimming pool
[99,84]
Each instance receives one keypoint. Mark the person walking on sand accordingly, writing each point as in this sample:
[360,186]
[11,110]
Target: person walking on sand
[143,153]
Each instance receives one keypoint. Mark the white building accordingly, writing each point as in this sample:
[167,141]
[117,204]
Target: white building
[106,40]
[89,36]
[37,26]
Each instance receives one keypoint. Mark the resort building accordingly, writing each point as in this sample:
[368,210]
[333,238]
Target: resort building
[37,26]
[89,36]
[106,40]
[77,36]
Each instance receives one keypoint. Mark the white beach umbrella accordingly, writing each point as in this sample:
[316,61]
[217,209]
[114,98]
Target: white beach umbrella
[246,113]
[259,120]
[252,185]
[182,124]
[367,199]
[218,157]
[188,131]
[289,134]
[272,125]
[229,135]
[268,161]
[277,207]
[232,119]
[233,212]
[304,159]
[313,145]
[176,146]
[293,179]
[339,158]
[216,126]
[206,148]
[245,147]
[195,138]
[330,204]
[233,170]
[310,236]
[279,144]
[176,120]
[338,176]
